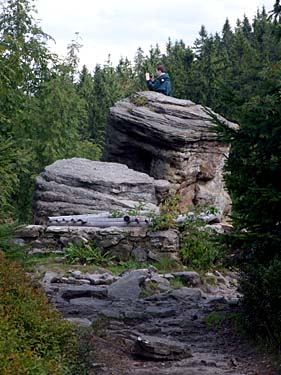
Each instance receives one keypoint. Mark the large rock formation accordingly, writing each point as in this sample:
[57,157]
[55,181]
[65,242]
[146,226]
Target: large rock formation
[170,139]
[81,186]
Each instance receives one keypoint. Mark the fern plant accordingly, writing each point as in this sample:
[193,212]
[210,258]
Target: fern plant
[86,254]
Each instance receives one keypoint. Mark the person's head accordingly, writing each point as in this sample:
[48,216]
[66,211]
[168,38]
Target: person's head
[160,69]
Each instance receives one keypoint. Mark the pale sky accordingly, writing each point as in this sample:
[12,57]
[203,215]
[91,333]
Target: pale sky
[119,27]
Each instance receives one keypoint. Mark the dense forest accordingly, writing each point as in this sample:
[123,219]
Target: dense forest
[49,110]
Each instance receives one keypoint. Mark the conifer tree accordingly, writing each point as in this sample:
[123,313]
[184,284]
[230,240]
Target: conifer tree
[253,179]
[178,60]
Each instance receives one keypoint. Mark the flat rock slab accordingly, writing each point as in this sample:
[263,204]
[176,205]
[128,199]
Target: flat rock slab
[159,348]
[192,294]
[80,291]
[128,287]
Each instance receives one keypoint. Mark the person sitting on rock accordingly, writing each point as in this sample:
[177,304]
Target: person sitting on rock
[162,83]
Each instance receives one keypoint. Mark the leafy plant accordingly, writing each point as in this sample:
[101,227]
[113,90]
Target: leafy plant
[176,283]
[150,288]
[199,247]
[86,254]
[116,214]
[12,250]
[33,337]
[166,264]
[136,210]
[214,319]
[169,212]
[260,286]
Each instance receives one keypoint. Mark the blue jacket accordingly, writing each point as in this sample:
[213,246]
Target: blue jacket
[161,84]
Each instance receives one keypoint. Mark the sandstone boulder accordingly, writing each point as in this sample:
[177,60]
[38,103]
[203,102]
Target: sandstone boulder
[170,139]
[81,186]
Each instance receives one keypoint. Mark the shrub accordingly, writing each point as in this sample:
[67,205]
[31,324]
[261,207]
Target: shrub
[260,286]
[33,338]
[199,247]
[167,264]
[12,250]
[215,319]
[169,211]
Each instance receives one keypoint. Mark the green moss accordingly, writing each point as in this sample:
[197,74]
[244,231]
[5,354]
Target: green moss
[139,101]
[214,319]
[151,288]
[176,283]
[166,264]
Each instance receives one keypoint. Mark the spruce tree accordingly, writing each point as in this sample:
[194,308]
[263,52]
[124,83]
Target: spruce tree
[253,178]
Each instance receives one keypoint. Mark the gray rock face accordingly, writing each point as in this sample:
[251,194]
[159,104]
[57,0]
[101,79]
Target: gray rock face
[160,348]
[81,186]
[83,291]
[170,139]
[128,287]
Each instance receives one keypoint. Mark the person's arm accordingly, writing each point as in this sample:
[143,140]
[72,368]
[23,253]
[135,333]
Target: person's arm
[153,85]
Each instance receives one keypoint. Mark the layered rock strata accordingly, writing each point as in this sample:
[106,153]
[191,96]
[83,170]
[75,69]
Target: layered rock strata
[170,139]
[81,186]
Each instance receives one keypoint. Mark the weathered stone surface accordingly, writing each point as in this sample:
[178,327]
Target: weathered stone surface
[51,277]
[128,287]
[81,186]
[83,291]
[139,254]
[30,231]
[167,325]
[119,242]
[159,279]
[103,279]
[193,294]
[170,139]
[83,322]
[158,348]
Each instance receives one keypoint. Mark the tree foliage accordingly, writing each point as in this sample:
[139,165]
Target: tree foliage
[253,178]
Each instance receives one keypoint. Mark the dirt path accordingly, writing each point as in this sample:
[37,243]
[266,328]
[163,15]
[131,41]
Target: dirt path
[213,350]
[182,331]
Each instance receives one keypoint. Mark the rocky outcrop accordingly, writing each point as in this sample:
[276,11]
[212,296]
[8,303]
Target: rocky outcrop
[170,139]
[81,186]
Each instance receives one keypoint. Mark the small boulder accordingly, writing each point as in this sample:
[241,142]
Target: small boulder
[158,348]
[129,286]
